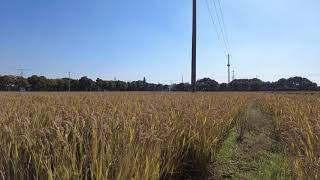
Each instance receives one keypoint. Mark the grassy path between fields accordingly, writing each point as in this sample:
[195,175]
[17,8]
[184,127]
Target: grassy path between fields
[251,151]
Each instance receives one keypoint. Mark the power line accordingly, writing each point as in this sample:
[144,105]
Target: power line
[224,24]
[222,33]
[220,18]
[217,32]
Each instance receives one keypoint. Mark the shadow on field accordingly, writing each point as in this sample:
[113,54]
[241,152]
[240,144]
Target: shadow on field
[192,166]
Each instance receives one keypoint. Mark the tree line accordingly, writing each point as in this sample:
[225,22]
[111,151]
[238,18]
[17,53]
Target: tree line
[41,83]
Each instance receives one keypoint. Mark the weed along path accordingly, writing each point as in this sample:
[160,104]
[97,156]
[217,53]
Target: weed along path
[251,151]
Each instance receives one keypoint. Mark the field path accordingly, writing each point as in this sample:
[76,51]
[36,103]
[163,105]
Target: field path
[251,151]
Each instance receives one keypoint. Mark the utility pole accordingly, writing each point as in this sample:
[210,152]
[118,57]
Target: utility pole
[228,68]
[194,47]
[69,82]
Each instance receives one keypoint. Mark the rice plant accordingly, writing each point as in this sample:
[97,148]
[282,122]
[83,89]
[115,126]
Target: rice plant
[297,120]
[113,135]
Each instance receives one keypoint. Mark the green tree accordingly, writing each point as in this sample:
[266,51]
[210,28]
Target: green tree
[7,82]
[86,84]
[207,84]
[22,83]
[38,83]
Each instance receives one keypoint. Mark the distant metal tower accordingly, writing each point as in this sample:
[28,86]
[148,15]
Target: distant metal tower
[182,80]
[21,71]
[69,82]
[233,75]
[228,68]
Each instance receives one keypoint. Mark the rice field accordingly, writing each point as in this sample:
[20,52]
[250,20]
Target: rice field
[112,135]
[143,135]
[297,122]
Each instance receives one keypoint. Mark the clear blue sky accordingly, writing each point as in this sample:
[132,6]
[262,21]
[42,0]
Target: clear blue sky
[130,39]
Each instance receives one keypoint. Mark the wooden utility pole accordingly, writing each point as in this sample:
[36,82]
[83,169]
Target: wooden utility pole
[194,47]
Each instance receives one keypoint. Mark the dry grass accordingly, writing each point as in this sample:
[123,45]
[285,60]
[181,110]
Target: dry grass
[114,135]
